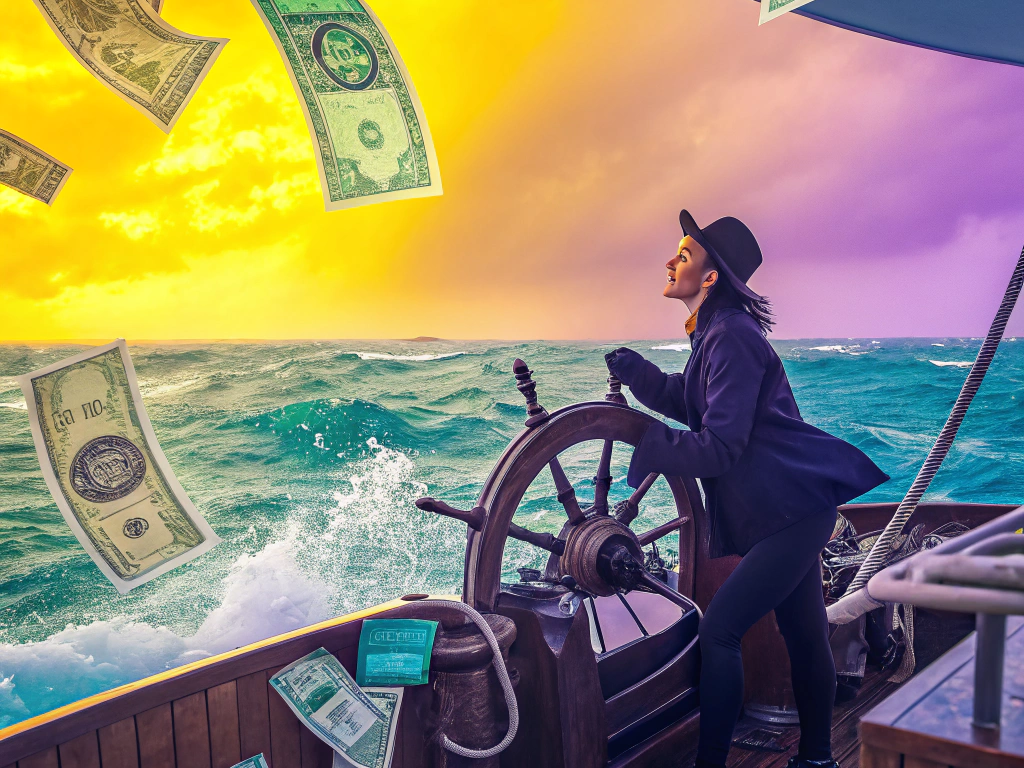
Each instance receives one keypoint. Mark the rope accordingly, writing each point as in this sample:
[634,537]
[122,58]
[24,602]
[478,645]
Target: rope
[503,678]
[882,546]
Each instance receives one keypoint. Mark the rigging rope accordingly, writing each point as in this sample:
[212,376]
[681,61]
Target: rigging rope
[853,605]
[503,678]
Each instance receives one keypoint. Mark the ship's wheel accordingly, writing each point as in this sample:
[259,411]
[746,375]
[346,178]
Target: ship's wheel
[641,678]
[596,554]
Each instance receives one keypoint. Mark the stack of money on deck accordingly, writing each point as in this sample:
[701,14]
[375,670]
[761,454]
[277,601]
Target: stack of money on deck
[357,723]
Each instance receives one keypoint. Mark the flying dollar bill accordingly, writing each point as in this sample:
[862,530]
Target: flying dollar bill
[378,745]
[258,761]
[322,694]
[105,469]
[135,53]
[370,137]
[29,170]
[772,9]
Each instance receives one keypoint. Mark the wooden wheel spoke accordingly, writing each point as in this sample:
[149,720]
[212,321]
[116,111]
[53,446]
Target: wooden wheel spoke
[626,511]
[603,479]
[662,530]
[542,540]
[566,494]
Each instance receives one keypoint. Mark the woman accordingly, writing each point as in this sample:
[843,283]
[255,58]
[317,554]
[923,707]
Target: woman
[771,481]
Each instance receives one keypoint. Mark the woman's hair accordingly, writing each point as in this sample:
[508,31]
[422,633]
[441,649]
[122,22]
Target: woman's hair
[759,309]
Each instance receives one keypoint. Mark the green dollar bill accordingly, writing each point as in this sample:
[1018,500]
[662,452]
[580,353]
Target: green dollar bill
[322,694]
[29,170]
[378,745]
[772,9]
[370,138]
[136,54]
[257,761]
[105,469]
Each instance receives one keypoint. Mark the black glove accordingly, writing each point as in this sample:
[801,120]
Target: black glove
[624,364]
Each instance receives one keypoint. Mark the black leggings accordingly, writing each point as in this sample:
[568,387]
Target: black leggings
[781,572]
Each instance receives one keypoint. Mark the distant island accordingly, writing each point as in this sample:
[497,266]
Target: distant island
[423,338]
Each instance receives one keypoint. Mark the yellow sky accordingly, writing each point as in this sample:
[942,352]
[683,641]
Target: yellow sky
[568,136]
[218,230]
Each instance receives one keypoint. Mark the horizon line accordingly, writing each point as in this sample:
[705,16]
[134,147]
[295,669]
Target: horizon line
[432,340]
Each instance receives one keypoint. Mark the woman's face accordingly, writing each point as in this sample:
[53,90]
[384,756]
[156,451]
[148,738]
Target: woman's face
[689,272]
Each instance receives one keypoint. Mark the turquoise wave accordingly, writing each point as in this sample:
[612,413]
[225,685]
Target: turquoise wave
[306,458]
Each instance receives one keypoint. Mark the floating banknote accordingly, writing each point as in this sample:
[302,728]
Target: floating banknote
[29,170]
[259,761]
[105,469]
[370,137]
[327,700]
[772,9]
[134,52]
[379,741]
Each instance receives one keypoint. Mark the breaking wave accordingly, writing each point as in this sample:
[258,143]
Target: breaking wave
[413,358]
[683,347]
[264,594]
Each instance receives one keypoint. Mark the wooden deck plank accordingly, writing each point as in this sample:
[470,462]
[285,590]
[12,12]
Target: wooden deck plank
[316,754]
[222,710]
[45,759]
[82,752]
[872,757]
[119,746]
[254,715]
[155,730]
[284,730]
[191,731]
[909,761]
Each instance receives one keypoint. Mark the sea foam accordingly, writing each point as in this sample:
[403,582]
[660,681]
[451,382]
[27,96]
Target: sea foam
[265,594]
[674,347]
[413,358]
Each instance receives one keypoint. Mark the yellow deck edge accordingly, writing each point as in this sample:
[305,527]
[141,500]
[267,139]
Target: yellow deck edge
[121,690]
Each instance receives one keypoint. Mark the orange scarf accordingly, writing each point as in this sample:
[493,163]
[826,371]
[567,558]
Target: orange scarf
[691,323]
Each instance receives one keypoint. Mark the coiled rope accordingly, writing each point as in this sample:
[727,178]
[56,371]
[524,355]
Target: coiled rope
[503,678]
[851,606]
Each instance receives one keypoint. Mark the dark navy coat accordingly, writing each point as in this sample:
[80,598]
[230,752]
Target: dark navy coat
[762,467]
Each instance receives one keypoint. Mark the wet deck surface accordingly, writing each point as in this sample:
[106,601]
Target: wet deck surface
[845,739]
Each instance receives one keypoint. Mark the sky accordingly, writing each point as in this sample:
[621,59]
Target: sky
[883,182]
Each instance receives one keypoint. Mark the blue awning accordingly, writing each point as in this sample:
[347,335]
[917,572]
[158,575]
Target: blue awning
[992,30]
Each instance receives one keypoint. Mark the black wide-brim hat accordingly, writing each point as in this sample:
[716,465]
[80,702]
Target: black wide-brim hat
[731,245]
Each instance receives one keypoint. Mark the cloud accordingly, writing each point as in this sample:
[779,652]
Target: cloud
[284,194]
[215,139]
[12,71]
[15,203]
[134,225]
[208,216]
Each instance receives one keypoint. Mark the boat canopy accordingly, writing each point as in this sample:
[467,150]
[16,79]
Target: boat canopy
[992,30]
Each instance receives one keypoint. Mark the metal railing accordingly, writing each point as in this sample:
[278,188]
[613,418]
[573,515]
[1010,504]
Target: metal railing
[981,572]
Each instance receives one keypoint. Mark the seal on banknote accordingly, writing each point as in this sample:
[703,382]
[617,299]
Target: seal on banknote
[107,468]
[134,528]
[345,56]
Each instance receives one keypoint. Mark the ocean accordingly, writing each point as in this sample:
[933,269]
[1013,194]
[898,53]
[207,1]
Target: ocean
[306,457]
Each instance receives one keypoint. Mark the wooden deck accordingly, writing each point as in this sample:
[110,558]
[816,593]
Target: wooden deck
[845,734]
[927,723]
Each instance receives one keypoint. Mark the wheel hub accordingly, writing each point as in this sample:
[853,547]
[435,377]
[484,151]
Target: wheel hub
[603,556]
